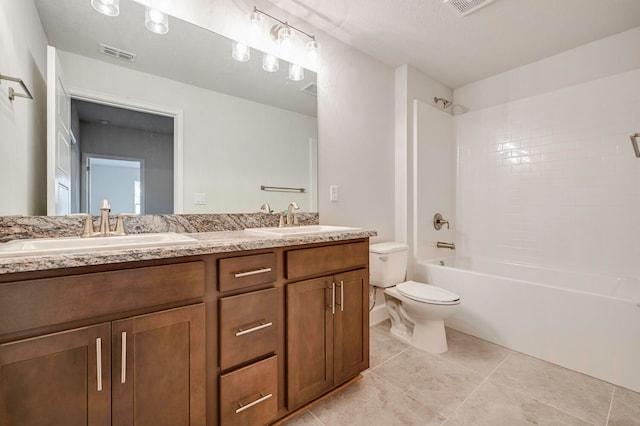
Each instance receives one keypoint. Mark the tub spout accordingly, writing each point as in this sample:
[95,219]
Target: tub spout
[451,246]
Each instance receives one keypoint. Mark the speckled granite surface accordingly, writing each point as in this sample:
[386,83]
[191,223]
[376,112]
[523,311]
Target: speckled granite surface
[207,243]
[19,227]
[215,233]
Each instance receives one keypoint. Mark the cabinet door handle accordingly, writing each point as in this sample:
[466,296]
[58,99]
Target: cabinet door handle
[262,325]
[99,362]
[257,271]
[251,404]
[123,365]
[341,296]
[333,298]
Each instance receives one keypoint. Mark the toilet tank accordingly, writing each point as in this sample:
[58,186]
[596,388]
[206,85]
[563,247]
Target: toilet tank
[388,263]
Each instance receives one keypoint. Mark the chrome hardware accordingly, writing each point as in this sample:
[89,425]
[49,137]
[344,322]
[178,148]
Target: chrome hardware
[292,219]
[634,141]
[341,296]
[266,208]
[281,221]
[99,362]
[384,258]
[262,325]
[87,230]
[451,246]
[438,221]
[105,209]
[123,365]
[251,404]
[257,271]
[333,298]
[12,93]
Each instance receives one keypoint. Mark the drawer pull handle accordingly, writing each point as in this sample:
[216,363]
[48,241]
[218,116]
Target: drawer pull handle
[123,368]
[251,404]
[341,296]
[262,325]
[99,362]
[257,271]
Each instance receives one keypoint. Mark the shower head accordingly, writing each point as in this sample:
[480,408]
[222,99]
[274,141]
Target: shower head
[445,103]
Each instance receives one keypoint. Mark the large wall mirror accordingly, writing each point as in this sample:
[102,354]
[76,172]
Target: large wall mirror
[183,127]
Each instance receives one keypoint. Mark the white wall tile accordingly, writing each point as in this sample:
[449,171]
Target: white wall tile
[552,179]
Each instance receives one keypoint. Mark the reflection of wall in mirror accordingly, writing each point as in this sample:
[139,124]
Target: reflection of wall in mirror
[23,122]
[231,145]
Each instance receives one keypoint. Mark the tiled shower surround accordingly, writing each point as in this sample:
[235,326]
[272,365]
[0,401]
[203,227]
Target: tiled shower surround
[553,180]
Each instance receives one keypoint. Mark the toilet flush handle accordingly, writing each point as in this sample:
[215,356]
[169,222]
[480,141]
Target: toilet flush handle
[384,258]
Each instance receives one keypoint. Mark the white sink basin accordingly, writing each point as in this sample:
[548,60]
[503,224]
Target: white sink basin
[41,246]
[300,230]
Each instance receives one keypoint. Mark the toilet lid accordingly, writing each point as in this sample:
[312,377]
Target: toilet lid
[427,293]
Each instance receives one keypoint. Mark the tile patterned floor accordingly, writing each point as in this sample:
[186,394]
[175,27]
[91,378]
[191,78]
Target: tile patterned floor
[476,383]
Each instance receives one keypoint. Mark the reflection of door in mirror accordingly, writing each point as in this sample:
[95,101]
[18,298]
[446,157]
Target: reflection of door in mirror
[118,180]
[115,148]
[58,139]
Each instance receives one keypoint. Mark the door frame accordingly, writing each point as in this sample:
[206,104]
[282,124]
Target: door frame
[142,106]
[84,178]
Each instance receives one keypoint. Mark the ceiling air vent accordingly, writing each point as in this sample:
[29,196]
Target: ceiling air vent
[465,7]
[117,53]
[311,89]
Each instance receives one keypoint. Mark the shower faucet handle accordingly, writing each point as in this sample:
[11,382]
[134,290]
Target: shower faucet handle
[438,221]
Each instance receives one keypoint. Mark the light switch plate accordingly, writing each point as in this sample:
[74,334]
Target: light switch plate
[333,193]
[200,198]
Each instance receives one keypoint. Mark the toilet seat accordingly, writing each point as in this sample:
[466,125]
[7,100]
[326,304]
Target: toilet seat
[427,293]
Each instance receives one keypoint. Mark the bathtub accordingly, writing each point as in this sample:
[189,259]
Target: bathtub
[586,322]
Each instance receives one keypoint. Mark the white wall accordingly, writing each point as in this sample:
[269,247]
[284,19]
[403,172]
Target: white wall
[434,179]
[231,145]
[553,180]
[22,122]
[601,58]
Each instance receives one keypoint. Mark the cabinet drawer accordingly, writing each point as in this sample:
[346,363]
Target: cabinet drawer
[249,396]
[246,271]
[36,303]
[248,326]
[320,260]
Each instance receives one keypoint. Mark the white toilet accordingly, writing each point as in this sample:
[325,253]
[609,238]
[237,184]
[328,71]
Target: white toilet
[417,310]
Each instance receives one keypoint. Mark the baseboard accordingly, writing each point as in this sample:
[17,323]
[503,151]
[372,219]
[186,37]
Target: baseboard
[378,314]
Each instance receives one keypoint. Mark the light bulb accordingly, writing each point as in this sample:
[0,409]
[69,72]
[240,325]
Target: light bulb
[296,72]
[156,21]
[313,52]
[270,63]
[107,7]
[284,36]
[240,51]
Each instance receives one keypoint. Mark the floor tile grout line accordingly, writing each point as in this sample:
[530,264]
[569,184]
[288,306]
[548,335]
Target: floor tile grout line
[316,417]
[389,359]
[613,395]
[521,392]
[478,387]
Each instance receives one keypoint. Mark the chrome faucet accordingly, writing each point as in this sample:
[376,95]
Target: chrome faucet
[292,219]
[105,209]
[266,208]
[104,228]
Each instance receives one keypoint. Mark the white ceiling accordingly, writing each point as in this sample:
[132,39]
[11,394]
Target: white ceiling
[454,50]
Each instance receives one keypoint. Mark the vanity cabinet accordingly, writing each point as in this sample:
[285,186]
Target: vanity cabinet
[146,369]
[327,320]
[248,340]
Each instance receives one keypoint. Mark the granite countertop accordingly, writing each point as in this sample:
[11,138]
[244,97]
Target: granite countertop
[208,243]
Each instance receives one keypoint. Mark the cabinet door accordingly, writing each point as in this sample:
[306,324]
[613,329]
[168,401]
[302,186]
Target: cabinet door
[57,379]
[159,369]
[351,326]
[309,339]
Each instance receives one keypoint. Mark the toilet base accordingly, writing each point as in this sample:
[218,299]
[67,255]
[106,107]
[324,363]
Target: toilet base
[428,335]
